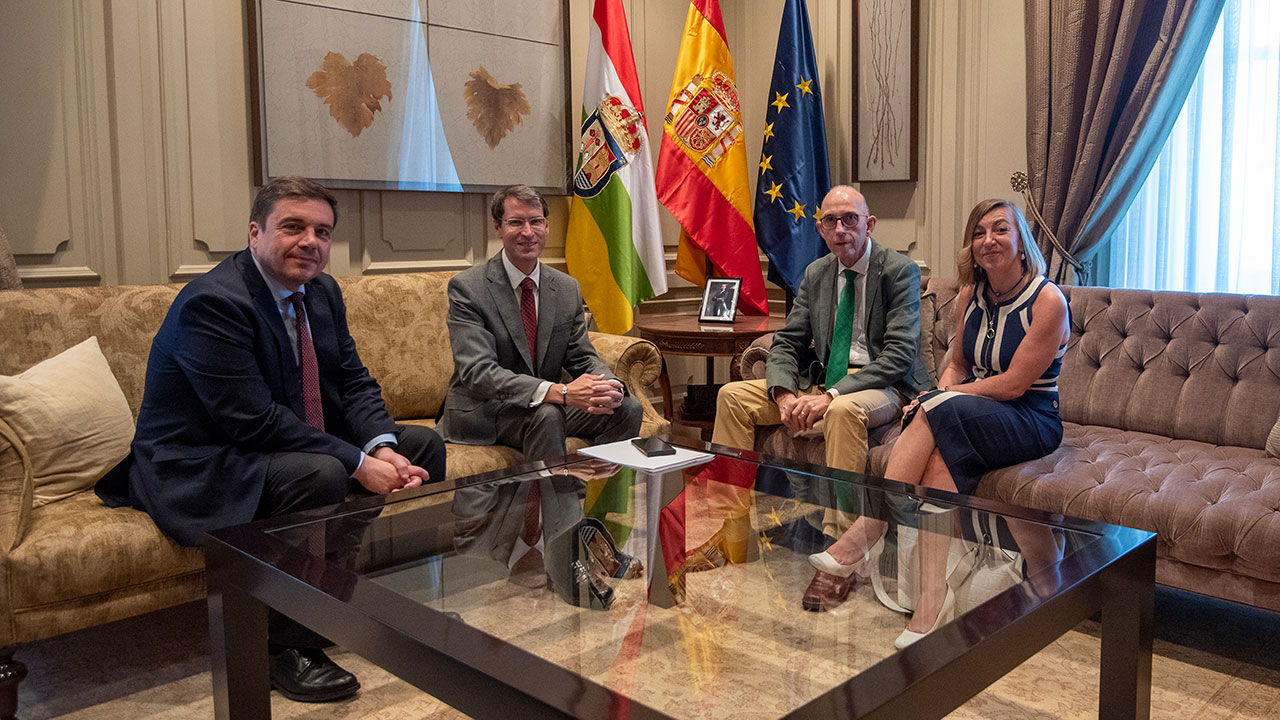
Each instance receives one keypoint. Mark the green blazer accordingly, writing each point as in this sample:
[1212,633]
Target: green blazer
[797,359]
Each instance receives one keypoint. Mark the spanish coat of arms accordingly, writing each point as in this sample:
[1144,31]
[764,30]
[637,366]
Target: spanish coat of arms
[704,116]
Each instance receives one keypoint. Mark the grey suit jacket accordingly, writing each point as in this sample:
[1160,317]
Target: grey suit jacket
[491,364]
[797,359]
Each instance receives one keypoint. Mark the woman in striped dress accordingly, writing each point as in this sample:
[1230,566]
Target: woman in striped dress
[996,405]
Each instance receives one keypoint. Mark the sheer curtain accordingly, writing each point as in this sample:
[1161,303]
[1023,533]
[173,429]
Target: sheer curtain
[1206,217]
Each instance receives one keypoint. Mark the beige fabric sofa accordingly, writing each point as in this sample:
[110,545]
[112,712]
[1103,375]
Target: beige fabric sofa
[75,563]
[1167,402]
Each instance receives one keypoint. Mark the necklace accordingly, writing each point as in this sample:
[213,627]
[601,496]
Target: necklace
[991,318]
[1001,293]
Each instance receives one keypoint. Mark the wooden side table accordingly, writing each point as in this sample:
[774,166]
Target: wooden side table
[679,334]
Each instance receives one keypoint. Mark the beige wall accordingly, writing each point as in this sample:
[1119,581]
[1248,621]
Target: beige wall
[128,158]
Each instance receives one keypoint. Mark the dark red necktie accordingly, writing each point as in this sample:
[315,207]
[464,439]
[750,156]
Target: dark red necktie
[529,570]
[529,312]
[532,528]
[312,410]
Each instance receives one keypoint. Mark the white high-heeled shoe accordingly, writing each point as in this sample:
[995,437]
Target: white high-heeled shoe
[945,614]
[826,563]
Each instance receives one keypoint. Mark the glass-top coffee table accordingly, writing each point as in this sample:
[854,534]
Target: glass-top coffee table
[583,589]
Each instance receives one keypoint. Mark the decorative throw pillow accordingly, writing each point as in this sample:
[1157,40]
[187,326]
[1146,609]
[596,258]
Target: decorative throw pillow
[72,418]
[1273,440]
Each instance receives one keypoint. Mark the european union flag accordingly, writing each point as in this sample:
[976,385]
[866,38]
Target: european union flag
[794,174]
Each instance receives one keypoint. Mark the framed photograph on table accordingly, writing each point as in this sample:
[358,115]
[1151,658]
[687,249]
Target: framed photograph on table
[886,90]
[720,300]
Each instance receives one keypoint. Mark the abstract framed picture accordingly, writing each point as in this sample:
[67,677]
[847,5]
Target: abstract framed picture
[886,90]
[720,300]
[446,95]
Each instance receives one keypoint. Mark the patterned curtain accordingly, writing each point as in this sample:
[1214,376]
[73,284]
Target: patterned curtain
[9,279]
[1105,83]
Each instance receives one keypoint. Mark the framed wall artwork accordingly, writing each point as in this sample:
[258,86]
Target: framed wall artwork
[886,90]
[452,95]
[720,300]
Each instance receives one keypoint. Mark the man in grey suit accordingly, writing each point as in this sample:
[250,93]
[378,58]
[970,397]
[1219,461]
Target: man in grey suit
[517,328]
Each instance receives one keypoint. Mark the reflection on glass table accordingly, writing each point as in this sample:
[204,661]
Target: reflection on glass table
[584,585]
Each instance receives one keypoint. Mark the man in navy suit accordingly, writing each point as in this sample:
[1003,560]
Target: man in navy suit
[257,405]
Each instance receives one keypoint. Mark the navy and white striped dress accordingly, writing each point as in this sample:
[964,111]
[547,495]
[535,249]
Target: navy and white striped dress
[976,434]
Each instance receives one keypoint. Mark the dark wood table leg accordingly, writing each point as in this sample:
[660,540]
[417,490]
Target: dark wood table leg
[238,654]
[1128,620]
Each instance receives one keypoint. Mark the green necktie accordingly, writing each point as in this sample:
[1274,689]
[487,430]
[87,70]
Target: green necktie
[842,333]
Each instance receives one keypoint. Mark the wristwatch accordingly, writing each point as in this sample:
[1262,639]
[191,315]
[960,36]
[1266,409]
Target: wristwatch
[379,446]
[564,394]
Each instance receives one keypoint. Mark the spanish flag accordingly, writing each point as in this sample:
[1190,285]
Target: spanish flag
[614,243]
[702,164]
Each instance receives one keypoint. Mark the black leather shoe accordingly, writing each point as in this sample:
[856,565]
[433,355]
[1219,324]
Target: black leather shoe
[308,675]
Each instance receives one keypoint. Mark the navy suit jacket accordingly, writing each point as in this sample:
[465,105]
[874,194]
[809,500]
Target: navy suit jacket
[223,393]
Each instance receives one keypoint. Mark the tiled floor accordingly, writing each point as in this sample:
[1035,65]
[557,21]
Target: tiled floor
[1213,660]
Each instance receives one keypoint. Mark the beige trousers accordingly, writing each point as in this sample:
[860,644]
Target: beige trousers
[746,404]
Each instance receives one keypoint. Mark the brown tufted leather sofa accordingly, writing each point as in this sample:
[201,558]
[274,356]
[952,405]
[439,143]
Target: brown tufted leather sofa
[75,563]
[1167,402]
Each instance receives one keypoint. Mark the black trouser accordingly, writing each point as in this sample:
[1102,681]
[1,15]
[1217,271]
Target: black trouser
[305,481]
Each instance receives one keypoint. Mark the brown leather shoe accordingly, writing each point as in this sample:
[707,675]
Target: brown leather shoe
[826,591]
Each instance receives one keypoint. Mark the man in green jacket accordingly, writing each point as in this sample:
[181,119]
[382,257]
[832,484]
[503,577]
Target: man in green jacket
[849,355]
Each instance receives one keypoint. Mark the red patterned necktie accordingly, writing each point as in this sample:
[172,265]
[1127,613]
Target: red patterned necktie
[532,528]
[529,312]
[529,570]
[312,411]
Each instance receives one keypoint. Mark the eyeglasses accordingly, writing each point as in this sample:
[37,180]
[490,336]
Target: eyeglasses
[537,223]
[849,220]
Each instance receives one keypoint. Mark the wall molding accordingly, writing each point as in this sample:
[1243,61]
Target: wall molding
[156,181]
[183,273]
[45,275]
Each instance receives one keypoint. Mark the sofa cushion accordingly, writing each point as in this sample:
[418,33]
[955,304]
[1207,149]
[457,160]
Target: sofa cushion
[1212,506]
[40,323]
[72,419]
[398,324]
[1181,365]
[77,548]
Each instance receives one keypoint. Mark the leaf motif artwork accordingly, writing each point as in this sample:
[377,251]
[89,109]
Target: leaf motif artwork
[494,108]
[351,90]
